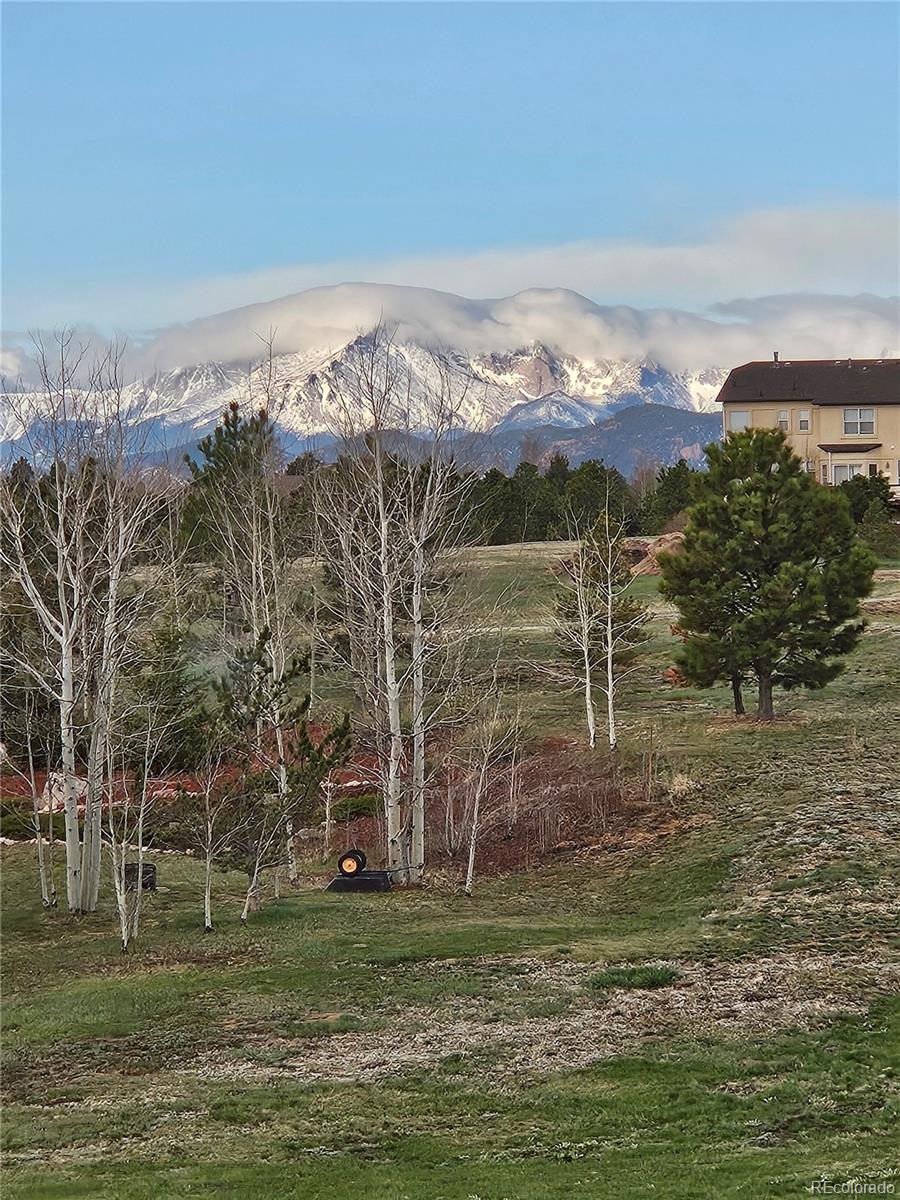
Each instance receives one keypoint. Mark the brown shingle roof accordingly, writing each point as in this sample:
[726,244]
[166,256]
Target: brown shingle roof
[820,381]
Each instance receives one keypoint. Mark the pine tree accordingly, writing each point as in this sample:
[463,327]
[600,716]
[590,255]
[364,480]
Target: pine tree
[558,472]
[861,490]
[671,495]
[281,776]
[167,685]
[770,577]
[592,489]
[878,531]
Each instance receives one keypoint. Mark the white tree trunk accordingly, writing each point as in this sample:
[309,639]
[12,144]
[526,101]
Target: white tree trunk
[417,846]
[70,782]
[207,893]
[610,671]
[290,847]
[48,888]
[93,806]
[589,697]
[393,785]
[252,898]
[313,651]
[473,841]
[476,817]
[329,820]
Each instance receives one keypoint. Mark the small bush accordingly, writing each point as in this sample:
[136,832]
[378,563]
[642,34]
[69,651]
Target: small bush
[639,978]
[17,821]
[365,804]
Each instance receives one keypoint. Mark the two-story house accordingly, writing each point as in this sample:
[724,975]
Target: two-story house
[842,416]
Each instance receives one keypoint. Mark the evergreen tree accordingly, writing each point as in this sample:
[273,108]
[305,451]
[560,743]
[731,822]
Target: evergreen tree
[588,490]
[770,577]
[535,505]
[492,516]
[167,685]
[281,777]
[861,490]
[306,463]
[236,460]
[671,496]
[558,472]
[878,531]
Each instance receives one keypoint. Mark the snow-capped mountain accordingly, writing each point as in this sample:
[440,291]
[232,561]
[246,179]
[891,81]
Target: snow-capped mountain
[556,408]
[544,357]
[530,386]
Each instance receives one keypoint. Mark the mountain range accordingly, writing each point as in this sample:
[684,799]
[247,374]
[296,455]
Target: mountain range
[544,369]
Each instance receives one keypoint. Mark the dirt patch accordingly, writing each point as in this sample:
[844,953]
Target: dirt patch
[734,1000]
[883,606]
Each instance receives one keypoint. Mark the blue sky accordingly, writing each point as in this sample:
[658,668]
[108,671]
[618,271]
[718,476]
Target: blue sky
[152,151]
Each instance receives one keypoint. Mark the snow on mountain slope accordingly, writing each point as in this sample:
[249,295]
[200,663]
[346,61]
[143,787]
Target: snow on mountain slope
[556,409]
[585,360]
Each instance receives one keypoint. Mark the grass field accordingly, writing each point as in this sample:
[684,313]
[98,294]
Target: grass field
[705,1008]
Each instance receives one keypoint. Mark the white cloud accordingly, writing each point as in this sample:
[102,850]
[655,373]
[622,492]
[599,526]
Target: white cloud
[845,250]
[785,262]
[322,319]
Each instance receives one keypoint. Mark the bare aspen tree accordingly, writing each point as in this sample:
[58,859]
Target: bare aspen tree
[356,506]
[44,851]
[434,514]
[71,533]
[493,750]
[576,627]
[598,626]
[45,864]
[390,516]
[328,833]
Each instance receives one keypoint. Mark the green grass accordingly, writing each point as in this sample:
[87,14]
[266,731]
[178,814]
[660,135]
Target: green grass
[741,1119]
[785,843]
[639,978]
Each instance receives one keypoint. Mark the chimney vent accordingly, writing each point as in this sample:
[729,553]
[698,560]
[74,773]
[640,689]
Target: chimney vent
[775,357]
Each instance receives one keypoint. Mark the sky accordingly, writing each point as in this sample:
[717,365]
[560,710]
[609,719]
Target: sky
[162,161]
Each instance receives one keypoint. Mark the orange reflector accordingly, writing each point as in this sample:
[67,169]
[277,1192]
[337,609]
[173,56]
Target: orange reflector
[349,866]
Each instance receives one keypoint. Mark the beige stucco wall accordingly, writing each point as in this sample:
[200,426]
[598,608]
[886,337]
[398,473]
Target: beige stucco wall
[827,425]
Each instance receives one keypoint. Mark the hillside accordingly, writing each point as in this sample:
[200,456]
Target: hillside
[699,1002]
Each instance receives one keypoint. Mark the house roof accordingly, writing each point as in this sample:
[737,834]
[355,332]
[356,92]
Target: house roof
[862,381]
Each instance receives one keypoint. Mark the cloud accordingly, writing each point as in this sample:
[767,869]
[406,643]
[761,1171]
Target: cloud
[314,323]
[840,250]
[792,268]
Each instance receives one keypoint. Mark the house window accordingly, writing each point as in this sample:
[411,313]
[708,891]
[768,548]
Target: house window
[873,470]
[859,420]
[803,420]
[824,472]
[784,421]
[841,472]
[738,419]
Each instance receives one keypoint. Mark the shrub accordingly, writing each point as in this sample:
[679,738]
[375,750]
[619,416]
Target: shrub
[638,978]
[17,821]
[364,804]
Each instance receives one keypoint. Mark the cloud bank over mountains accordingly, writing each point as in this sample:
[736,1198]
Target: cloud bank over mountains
[322,321]
[847,250]
[800,326]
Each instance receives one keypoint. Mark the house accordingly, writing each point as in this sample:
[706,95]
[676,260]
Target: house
[842,416]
